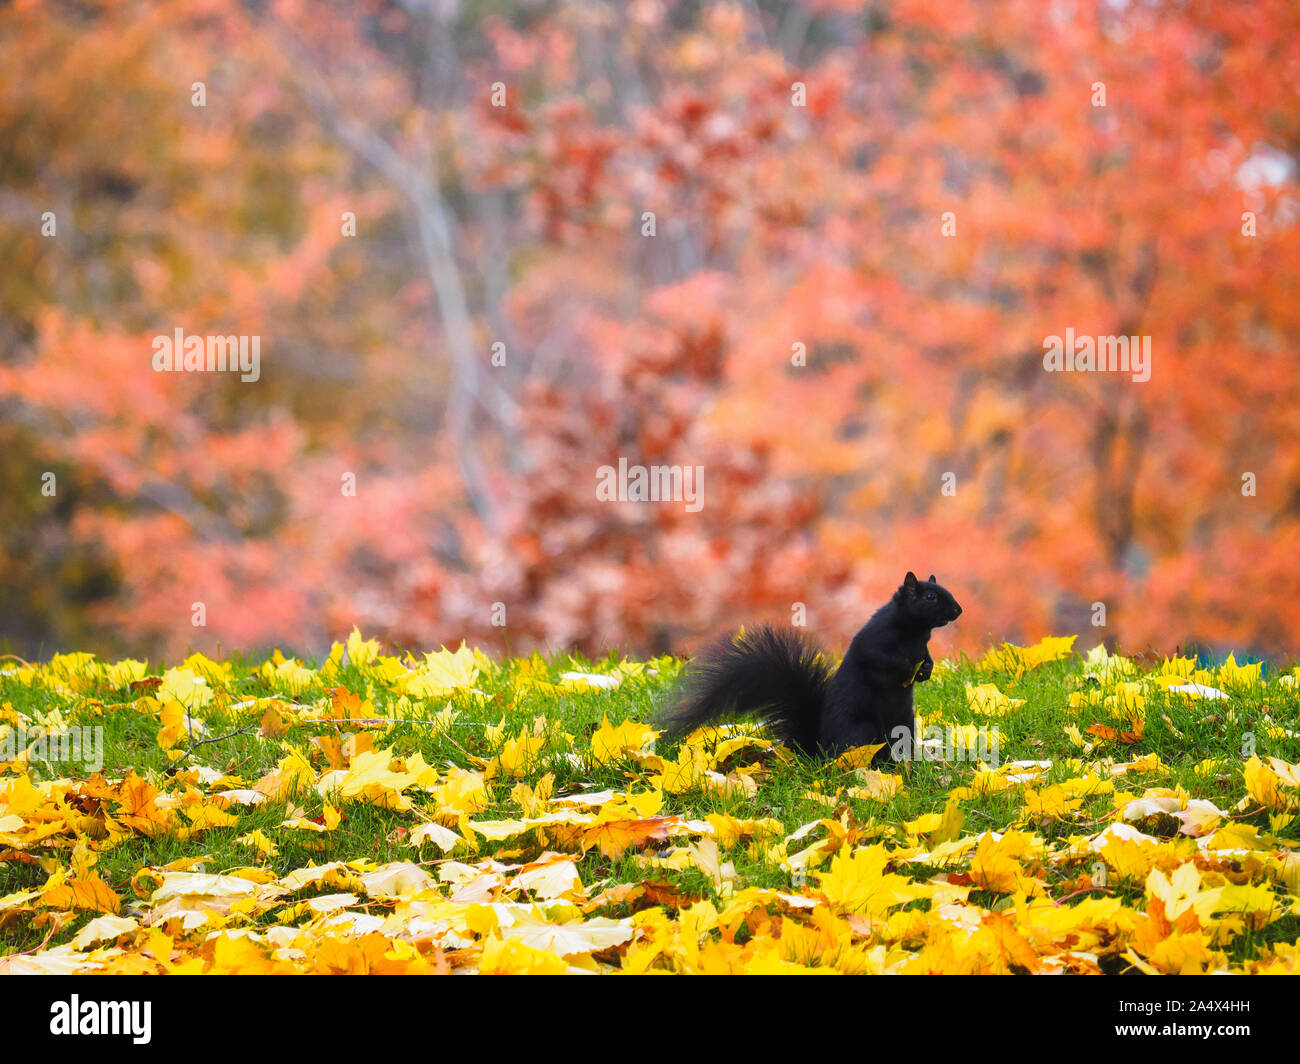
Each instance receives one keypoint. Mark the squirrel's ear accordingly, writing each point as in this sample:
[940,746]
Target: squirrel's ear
[909,581]
[932,578]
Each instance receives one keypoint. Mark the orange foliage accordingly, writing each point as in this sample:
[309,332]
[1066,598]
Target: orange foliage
[799,190]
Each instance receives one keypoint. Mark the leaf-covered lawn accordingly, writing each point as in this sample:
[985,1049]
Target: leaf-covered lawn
[445,812]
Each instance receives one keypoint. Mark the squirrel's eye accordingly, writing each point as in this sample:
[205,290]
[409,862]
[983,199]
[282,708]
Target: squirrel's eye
[930,595]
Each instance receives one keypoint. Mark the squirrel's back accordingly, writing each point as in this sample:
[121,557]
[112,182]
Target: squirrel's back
[768,673]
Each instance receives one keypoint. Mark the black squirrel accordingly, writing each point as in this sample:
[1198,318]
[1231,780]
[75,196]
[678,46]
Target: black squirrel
[775,675]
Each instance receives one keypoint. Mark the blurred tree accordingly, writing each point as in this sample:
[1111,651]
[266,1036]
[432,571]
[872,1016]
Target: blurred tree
[907,199]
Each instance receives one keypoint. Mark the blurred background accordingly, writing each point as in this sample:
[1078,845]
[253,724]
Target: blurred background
[487,248]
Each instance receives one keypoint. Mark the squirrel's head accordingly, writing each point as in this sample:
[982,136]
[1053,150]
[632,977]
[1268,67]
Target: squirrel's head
[926,602]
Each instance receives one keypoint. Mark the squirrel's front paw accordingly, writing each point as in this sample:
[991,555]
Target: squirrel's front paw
[923,671]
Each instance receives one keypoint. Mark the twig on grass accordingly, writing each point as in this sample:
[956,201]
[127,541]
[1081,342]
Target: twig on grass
[200,742]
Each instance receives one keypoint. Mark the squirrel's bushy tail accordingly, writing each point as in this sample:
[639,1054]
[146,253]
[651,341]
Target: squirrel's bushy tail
[769,674]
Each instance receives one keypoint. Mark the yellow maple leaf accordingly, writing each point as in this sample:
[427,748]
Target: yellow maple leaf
[686,773]
[988,700]
[441,673]
[259,841]
[187,687]
[1176,953]
[19,798]
[1005,864]
[462,794]
[289,676]
[1255,902]
[174,728]
[875,785]
[938,827]
[1181,894]
[214,672]
[239,955]
[859,756]
[361,651]
[533,801]
[1018,660]
[125,672]
[1231,674]
[1273,785]
[517,756]
[203,817]
[609,743]
[502,957]
[857,882]
[91,894]
[373,776]
[293,773]
[728,831]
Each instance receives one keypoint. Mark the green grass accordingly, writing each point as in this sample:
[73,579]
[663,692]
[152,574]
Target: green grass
[1182,733]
